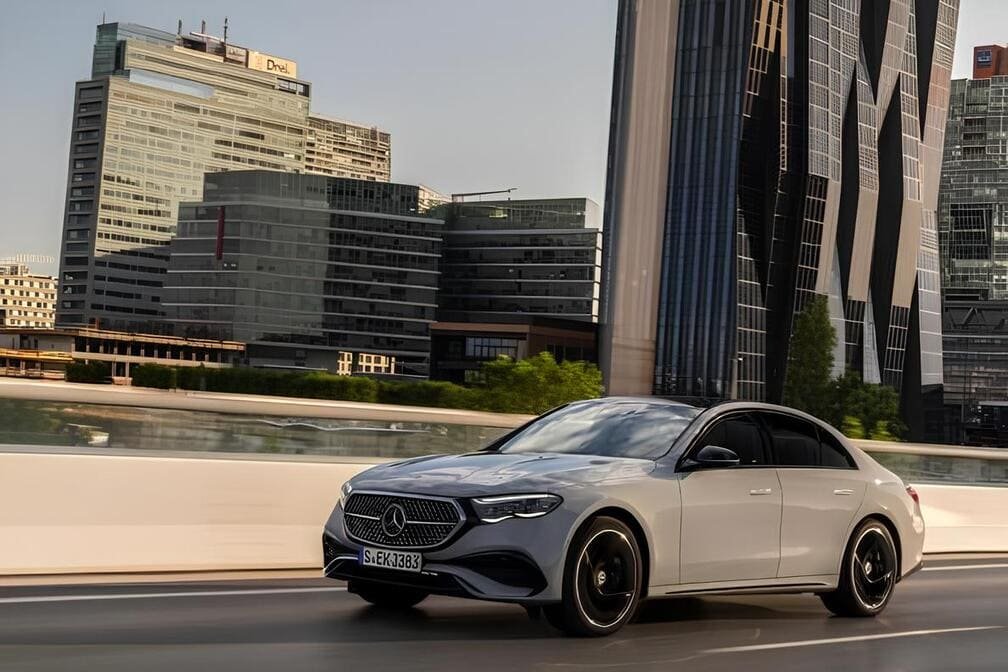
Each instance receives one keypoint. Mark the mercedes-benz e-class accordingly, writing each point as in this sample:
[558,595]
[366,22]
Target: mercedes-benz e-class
[589,509]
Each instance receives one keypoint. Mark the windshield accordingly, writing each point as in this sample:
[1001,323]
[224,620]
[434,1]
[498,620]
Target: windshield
[626,429]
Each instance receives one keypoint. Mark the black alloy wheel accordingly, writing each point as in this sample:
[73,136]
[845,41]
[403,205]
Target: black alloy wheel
[868,575]
[602,581]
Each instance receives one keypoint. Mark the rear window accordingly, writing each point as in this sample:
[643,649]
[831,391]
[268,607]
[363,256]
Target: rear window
[799,443]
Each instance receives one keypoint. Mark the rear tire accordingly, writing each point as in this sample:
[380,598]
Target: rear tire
[868,574]
[601,581]
[385,595]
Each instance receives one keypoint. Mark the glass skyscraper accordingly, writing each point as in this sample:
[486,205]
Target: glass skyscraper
[803,156]
[973,228]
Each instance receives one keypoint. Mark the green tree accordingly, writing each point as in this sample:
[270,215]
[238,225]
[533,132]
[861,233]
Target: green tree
[864,410]
[809,385]
[536,384]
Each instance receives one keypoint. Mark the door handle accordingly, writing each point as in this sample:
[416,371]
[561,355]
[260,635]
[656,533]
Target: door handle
[844,491]
[760,491]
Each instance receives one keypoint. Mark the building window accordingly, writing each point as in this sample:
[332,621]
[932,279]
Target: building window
[481,347]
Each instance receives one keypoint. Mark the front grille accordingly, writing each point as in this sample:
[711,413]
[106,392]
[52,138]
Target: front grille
[429,522]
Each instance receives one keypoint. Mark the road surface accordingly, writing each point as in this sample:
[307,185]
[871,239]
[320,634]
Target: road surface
[952,616]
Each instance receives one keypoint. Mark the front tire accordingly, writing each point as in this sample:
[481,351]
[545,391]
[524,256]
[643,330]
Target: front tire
[868,574]
[601,581]
[386,596]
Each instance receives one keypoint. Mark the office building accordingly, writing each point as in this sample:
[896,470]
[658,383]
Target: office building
[521,257]
[976,352]
[761,153]
[972,222]
[26,299]
[973,200]
[159,111]
[518,277]
[344,149]
[309,271]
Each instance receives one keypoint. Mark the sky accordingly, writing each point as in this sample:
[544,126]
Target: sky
[477,94]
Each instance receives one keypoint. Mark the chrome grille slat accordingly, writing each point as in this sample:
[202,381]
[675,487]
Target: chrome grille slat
[429,521]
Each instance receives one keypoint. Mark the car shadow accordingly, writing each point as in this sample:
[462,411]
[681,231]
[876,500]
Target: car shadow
[665,610]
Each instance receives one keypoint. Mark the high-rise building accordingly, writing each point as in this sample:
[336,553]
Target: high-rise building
[345,149]
[159,111]
[521,257]
[973,202]
[972,223]
[309,271]
[26,299]
[761,153]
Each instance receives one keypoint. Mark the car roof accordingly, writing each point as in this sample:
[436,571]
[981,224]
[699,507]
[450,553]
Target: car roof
[655,401]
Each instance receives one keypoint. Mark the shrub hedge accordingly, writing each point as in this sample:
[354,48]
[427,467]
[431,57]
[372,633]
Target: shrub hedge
[89,372]
[532,385]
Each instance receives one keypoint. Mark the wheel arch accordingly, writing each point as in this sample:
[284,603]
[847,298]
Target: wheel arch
[626,517]
[893,532]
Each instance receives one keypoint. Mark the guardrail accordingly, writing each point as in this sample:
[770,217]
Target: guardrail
[143,511]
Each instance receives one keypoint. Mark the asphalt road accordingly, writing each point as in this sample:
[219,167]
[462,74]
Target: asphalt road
[952,616]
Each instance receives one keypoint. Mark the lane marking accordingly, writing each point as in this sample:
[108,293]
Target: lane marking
[842,640]
[145,596]
[953,568]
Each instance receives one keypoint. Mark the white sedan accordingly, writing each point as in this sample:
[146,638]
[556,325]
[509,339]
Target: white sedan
[597,505]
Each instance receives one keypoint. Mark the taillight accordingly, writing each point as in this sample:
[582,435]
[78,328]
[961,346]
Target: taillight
[913,494]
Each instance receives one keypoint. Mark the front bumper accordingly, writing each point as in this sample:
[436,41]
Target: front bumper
[511,561]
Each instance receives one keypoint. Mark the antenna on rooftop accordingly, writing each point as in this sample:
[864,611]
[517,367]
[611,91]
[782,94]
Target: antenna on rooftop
[179,27]
[202,28]
[225,30]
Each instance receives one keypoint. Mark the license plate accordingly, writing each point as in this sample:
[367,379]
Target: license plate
[405,561]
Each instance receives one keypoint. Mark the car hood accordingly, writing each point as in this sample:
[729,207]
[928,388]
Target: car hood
[474,474]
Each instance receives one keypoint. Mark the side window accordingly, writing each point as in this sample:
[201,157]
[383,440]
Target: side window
[833,454]
[740,434]
[795,441]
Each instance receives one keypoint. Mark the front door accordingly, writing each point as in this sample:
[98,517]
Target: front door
[731,516]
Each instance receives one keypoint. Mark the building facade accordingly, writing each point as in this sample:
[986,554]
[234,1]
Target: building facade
[44,353]
[989,60]
[973,200]
[159,111]
[26,299]
[459,349]
[804,152]
[539,257]
[972,223]
[344,149]
[310,271]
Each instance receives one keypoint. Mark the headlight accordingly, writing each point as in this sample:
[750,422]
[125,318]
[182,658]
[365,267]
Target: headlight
[345,492]
[496,509]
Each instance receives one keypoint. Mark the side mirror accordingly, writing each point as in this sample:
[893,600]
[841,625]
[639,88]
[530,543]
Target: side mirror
[715,456]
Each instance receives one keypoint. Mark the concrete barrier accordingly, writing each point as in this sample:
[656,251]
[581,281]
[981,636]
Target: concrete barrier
[69,513]
[64,513]
[961,518]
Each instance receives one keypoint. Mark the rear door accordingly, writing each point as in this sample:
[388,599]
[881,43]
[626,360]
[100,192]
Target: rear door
[822,491]
[731,515]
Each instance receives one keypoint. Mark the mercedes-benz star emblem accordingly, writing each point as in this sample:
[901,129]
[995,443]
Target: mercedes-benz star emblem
[393,520]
